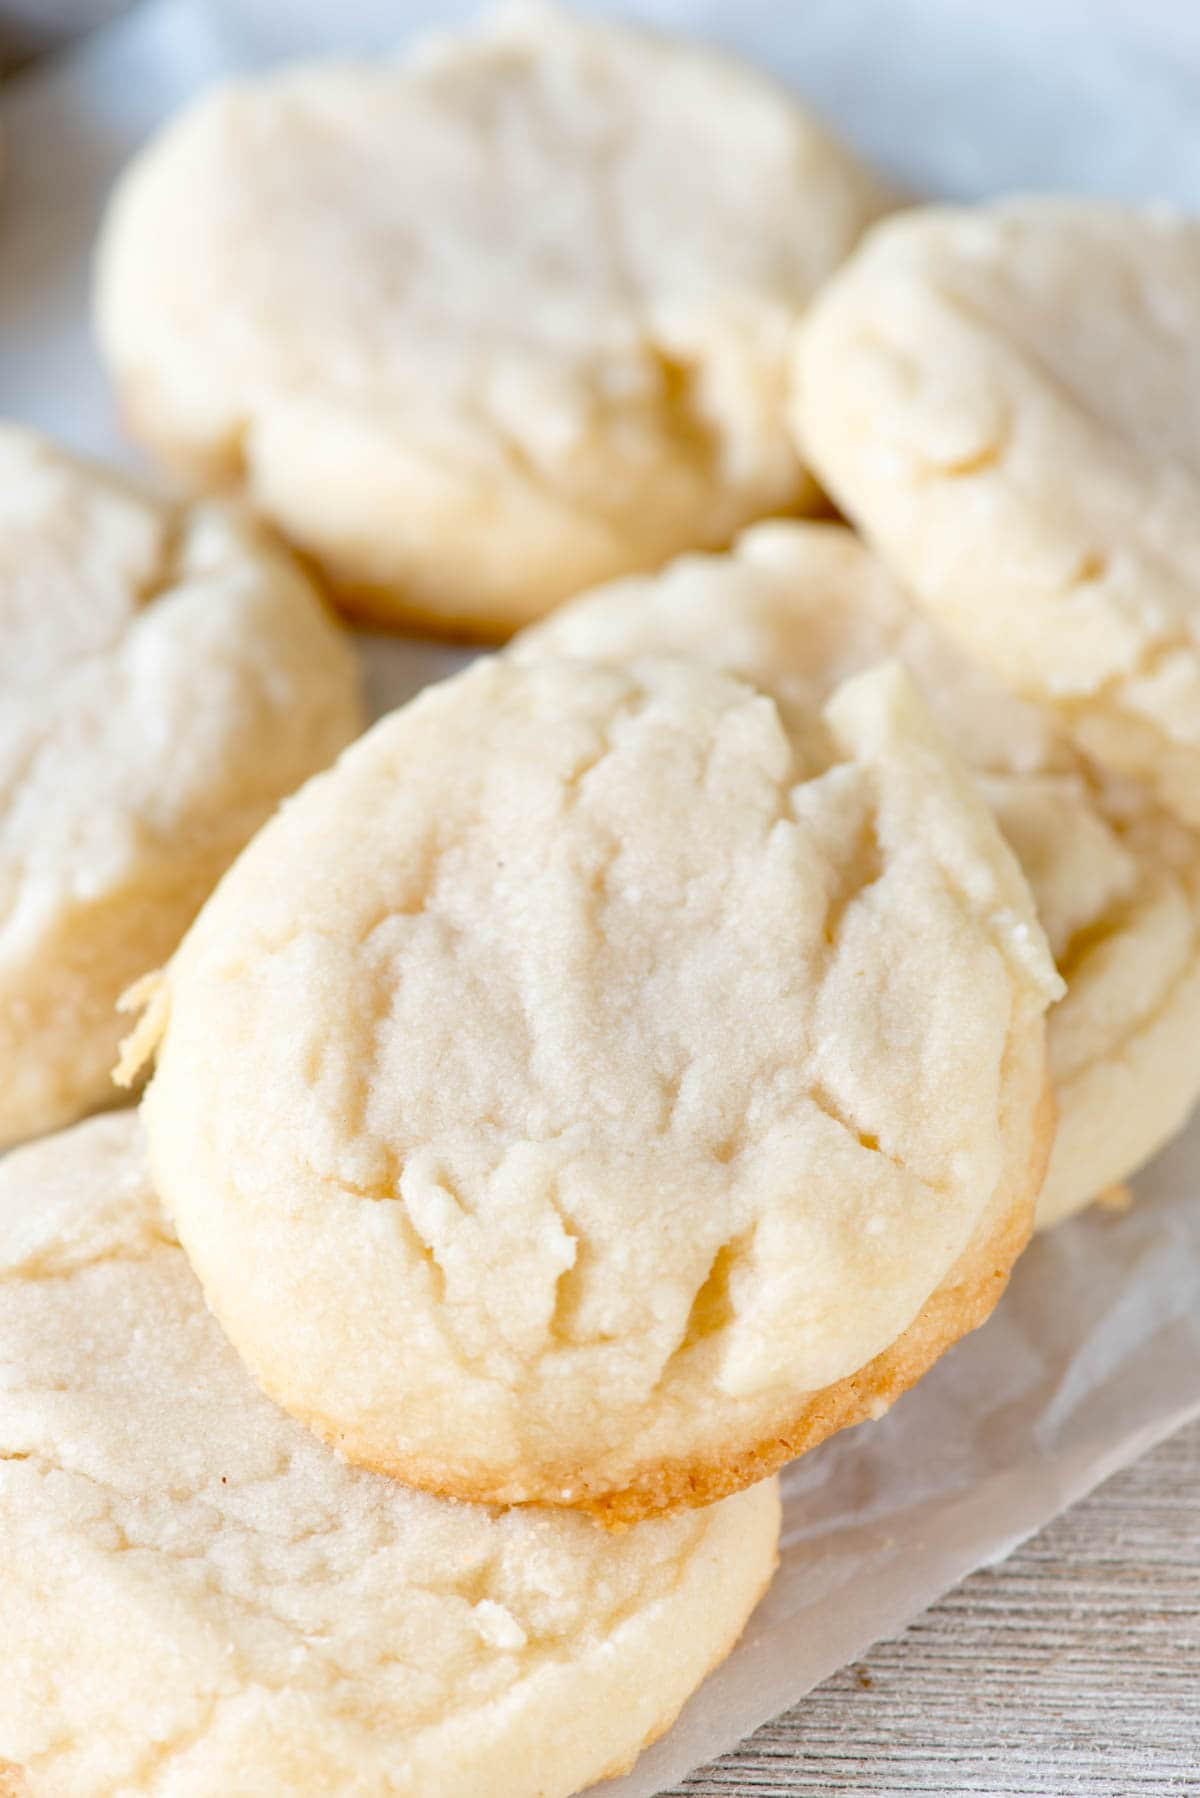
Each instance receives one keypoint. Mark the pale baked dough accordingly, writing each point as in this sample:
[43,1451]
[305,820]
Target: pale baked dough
[200,1599]
[483,325]
[571,1096]
[166,676]
[796,609]
[1007,401]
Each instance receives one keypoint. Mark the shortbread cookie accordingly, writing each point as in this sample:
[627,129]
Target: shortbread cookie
[1008,402]
[201,1599]
[484,325]
[166,677]
[798,608]
[594,1091]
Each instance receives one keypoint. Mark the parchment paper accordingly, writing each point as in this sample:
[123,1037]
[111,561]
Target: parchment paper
[1094,1354]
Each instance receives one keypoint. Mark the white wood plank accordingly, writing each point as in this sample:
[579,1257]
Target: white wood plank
[1072,1669]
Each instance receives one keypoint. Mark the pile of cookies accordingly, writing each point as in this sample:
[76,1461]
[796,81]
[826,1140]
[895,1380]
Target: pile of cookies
[644,1054]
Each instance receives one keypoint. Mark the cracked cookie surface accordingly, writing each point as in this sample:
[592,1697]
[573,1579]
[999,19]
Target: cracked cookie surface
[486,324]
[575,1094]
[199,1597]
[123,799]
[798,608]
[1005,400]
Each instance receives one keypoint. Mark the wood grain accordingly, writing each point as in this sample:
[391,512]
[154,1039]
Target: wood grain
[1074,1668]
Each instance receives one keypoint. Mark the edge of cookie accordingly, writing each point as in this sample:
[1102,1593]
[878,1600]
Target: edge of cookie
[964,1300]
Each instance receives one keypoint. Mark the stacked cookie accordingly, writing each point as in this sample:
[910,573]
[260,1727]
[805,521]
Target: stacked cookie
[644,1054]
[169,675]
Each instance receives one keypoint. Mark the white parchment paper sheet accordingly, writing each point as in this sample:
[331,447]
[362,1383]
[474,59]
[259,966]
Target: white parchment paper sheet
[1094,1353]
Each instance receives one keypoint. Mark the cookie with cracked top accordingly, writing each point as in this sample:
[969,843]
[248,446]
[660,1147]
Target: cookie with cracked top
[797,608]
[600,1086]
[201,1598]
[1006,400]
[167,675]
[483,324]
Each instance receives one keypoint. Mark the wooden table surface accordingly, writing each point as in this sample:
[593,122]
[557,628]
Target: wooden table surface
[1073,1668]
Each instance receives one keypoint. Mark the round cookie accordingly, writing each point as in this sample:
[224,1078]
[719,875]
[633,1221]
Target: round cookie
[594,1092]
[201,1598]
[167,676]
[484,325]
[1007,401]
[798,608]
